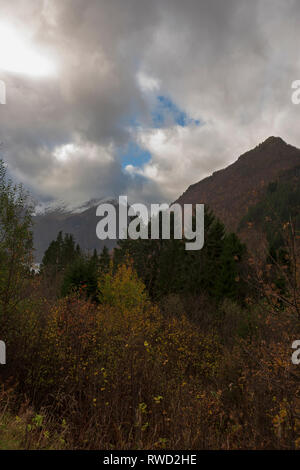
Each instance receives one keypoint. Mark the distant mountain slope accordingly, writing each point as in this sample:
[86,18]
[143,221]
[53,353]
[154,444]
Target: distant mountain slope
[81,224]
[278,205]
[280,201]
[231,191]
[228,192]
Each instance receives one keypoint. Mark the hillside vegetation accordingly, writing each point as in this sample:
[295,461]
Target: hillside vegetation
[151,348]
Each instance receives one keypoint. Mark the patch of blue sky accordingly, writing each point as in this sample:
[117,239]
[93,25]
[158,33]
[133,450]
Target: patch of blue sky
[134,155]
[166,112]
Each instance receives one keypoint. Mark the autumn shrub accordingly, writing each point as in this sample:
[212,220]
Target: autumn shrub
[27,429]
[113,371]
[126,374]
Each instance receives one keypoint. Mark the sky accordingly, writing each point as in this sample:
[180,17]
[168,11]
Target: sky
[140,97]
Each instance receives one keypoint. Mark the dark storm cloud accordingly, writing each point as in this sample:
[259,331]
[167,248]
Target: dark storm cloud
[229,64]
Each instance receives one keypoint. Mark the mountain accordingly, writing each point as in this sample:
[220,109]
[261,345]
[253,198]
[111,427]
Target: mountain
[278,205]
[231,191]
[81,222]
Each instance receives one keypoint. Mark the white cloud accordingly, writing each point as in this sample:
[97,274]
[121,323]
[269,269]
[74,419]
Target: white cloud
[147,83]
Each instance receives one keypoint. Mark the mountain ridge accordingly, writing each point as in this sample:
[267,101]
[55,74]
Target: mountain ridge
[230,191]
